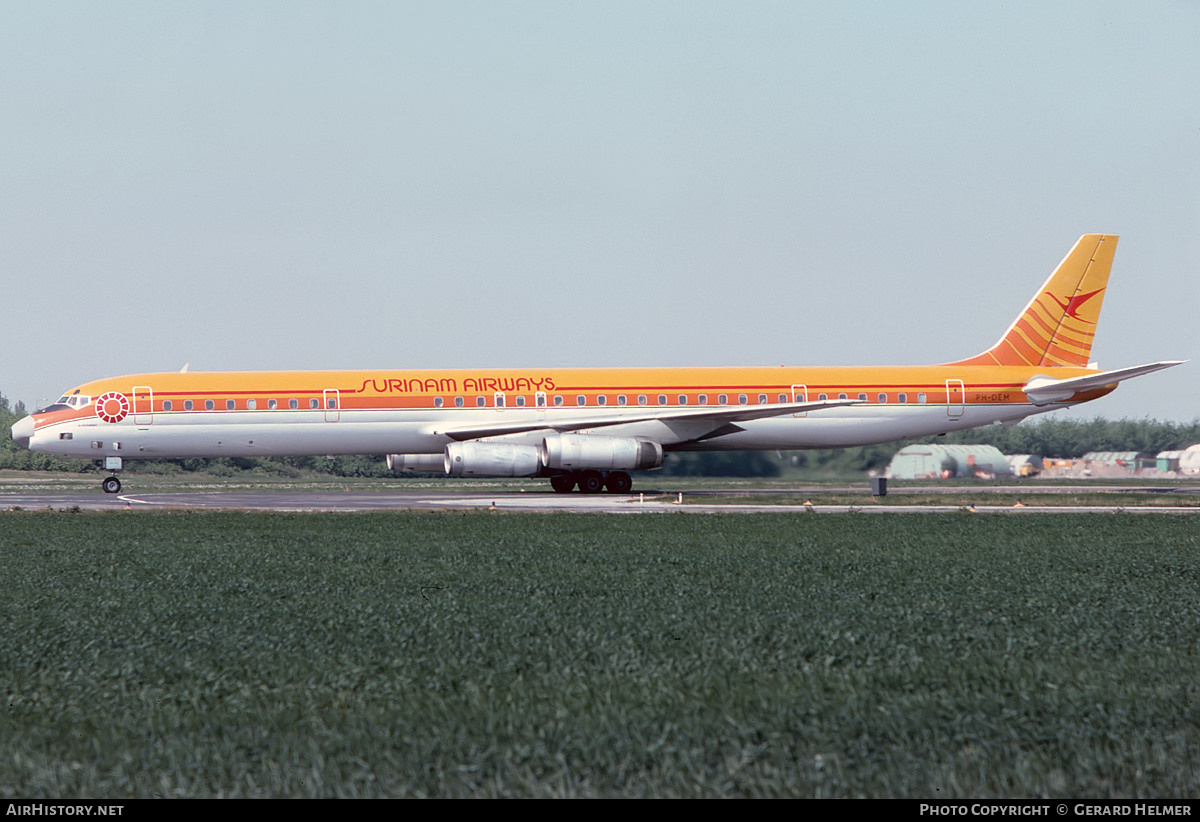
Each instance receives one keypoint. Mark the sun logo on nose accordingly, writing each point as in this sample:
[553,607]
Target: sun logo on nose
[112,407]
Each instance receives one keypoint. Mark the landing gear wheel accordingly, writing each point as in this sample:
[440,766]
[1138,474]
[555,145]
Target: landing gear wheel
[590,482]
[618,482]
[111,485]
[563,483]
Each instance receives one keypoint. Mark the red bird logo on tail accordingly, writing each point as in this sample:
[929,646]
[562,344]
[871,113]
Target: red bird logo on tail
[1072,306]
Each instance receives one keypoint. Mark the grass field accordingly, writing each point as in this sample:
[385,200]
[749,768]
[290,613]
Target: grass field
[571,655]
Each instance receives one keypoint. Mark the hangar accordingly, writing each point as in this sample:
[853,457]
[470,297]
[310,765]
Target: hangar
[1185,461]
[944,461]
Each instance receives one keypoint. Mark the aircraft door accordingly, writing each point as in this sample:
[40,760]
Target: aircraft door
[539,401]
[800,394]
[332,401]
[956,398]
[143,405]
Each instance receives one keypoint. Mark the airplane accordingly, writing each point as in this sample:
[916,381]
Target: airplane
[588,428]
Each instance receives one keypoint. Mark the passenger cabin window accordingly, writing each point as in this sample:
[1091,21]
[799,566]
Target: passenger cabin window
[272,405]
[580,400]
[762,399]
[601,400]
[437,402]
[783,397]
[902,398]
[520,402]
[480,402]
[620,399]
[230,405]
[312,403]
[882,397]
[209,405]
[702,399]
[662,399]
[293,403]
[683,399]
[842,396]
[558,400]
[743,399]
[166,405]
[722,399]
[251,404]
[641,399]
[822,397]
[499,400]
[922,399]
[458,402]
[863,396]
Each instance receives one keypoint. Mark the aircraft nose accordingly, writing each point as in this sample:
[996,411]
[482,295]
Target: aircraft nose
[22,431]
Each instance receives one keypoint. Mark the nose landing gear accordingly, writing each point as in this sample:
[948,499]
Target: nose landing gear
[111,485]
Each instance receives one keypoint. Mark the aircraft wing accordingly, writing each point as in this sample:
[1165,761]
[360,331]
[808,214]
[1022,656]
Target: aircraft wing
[559,420]
[1044,390]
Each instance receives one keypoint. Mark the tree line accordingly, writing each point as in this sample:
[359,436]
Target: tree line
[1045,437]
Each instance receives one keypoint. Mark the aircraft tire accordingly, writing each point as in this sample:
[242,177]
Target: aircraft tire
[618,482]
[111,485]
[590,482]
[563,483]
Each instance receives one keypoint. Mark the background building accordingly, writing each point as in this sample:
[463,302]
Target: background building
[945,461]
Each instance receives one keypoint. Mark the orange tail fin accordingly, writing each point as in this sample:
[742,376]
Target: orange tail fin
[1058,325]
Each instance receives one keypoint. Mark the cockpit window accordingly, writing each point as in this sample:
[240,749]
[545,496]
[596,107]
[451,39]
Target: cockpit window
[69,401]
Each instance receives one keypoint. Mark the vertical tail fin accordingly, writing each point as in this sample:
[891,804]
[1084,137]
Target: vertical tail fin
[1058,325]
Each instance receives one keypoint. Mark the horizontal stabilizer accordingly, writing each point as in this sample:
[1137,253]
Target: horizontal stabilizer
[563,420]
[1043,390]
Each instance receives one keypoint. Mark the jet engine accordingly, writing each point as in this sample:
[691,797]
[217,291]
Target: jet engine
[579,451]
[488,459]
[417,463]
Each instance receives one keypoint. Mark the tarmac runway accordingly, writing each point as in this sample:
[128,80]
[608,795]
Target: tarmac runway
[500,501]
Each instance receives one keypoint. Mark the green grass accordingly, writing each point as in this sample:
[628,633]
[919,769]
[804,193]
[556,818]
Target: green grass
[555,655]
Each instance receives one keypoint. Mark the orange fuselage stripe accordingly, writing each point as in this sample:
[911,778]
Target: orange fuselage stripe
[399,390]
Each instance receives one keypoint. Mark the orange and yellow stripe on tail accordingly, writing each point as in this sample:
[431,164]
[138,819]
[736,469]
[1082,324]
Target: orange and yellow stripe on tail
[1059,324]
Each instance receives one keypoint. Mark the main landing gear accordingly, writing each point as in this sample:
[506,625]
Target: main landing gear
[592,482]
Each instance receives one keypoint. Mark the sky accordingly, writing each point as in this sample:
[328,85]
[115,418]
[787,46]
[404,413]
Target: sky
[378,185]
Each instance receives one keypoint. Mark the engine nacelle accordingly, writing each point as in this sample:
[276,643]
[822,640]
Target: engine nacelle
[580,451]
[489,459]
[417,463]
